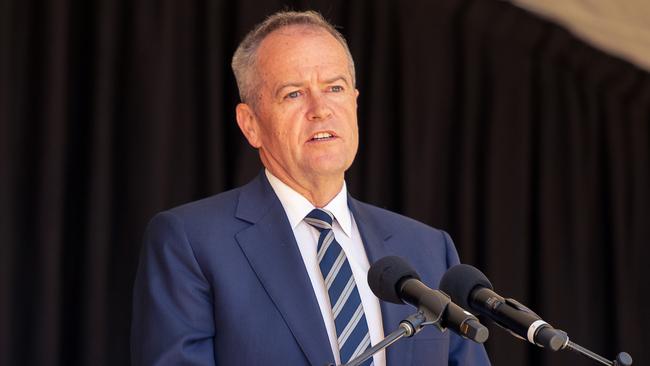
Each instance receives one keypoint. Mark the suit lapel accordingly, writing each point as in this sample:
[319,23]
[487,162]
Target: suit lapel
[375,235]
[271,250]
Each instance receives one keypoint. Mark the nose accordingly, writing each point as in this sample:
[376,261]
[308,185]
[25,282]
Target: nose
[318,108]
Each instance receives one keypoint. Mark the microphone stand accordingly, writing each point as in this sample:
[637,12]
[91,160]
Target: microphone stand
[407,328]
[622,359]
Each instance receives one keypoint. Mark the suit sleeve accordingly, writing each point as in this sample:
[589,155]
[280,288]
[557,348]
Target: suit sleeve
[172,304]
[462,352]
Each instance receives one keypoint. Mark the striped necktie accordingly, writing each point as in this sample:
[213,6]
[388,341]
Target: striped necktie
[349,318]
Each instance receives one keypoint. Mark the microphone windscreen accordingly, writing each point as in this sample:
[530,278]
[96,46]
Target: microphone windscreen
[459,281]
[385,275]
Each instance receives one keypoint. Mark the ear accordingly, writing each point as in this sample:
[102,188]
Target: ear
[248,124]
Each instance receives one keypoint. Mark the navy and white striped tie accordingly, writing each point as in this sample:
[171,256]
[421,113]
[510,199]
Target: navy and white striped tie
[349,318]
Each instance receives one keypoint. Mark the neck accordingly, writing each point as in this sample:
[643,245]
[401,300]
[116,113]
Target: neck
[319,191]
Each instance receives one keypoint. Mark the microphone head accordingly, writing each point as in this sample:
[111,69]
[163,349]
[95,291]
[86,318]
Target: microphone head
[387,274]
[459,281]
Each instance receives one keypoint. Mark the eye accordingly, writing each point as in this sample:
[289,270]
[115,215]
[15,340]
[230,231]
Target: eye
[292,95]
[336,88]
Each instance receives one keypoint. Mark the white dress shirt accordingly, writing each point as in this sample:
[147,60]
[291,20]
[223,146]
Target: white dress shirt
[347,235]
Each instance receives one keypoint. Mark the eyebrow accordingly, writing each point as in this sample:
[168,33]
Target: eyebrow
[299,84]
[336,78]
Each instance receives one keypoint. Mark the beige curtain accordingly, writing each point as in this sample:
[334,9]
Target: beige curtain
[618,27]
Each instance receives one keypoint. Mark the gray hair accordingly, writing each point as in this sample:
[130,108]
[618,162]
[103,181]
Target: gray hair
[243,61]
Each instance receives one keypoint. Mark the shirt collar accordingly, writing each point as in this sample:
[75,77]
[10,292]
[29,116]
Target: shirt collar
[297,206]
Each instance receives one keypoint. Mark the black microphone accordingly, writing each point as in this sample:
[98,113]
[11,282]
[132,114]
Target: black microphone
[469,287]
[392,279]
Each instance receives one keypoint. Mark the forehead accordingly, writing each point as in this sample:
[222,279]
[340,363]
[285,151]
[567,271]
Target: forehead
[300,49]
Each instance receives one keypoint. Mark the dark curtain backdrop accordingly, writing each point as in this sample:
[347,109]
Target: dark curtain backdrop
[530,147]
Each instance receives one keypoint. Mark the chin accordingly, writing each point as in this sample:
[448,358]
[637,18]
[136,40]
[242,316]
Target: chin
[328,169]
[329,165]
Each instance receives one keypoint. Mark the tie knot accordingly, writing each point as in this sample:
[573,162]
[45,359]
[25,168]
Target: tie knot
[320,219]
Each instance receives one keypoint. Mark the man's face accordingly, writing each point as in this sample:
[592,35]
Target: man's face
[304,119]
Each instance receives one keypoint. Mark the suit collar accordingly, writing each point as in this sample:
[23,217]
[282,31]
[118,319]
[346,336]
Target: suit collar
[255,199]
[374,234]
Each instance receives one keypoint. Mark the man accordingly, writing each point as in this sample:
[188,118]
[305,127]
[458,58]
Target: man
[260,275]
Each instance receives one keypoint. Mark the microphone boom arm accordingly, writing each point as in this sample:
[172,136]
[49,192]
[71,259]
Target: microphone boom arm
[407,328]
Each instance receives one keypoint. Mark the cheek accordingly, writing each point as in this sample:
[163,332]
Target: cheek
[276,130]
[352,121]
[289,127]
[284,135]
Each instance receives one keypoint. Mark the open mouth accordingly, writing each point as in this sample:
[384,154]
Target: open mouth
[322,136]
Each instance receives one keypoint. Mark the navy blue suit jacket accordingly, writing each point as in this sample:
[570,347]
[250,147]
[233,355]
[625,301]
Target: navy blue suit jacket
[221,281]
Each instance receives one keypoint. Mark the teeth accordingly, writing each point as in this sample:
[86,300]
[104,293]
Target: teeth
[322,135]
